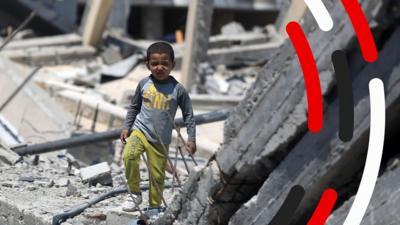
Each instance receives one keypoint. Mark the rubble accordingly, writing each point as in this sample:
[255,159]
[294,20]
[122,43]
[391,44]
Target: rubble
[267,148]
[99,173]
[39,201]
[50,55]
[8,156]
[62,182]
[385,199]
[34,42]
[122,67]
[73,119]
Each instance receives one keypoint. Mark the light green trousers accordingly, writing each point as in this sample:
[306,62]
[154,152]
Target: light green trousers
[156,158]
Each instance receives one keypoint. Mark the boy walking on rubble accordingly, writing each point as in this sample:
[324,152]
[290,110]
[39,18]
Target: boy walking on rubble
[148,124]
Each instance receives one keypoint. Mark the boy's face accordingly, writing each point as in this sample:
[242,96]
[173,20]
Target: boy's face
[160,65]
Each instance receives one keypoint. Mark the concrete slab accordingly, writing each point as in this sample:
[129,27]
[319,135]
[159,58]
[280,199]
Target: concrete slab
[64,39]
[50,54]
[32,113]
[384,203]
[99,173]
[9,156]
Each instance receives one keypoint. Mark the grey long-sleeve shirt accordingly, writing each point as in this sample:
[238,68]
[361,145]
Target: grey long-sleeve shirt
[152,102]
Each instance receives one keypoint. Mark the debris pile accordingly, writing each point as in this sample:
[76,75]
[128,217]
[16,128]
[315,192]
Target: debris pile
[60,162]
[267,149]
[39,192]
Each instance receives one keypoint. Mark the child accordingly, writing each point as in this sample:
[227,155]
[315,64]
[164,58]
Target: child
[148,122]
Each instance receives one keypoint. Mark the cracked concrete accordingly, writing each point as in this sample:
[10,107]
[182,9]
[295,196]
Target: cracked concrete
[267,148]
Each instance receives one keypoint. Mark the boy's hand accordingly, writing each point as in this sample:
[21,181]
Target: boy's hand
[191,147]
[124,135]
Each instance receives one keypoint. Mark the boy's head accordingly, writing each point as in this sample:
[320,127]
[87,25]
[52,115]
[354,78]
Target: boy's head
[160,60]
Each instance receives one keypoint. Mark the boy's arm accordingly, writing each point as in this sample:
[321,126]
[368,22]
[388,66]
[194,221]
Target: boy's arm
[187,112]
[133,110]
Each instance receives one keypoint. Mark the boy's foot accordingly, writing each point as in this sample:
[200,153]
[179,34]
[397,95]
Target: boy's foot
[132,202]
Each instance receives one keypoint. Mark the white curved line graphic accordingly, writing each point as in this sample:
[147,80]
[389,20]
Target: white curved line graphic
[375,149]
[320,14]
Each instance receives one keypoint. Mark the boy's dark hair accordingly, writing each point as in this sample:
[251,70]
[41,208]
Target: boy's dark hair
[161,47]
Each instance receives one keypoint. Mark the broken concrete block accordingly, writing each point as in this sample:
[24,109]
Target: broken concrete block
[8,156]
[62,182]
[383,206]
[99,173]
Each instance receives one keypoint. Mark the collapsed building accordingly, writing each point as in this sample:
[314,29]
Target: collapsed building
[266,147]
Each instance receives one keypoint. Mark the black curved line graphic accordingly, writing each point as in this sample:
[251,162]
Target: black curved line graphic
[289,206]
[346,107]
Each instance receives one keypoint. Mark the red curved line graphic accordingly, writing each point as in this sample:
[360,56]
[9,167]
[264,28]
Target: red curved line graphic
[324,207]
[363,32]
[310,73]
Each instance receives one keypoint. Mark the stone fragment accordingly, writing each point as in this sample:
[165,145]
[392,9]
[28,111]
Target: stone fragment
[62,182]
[99,173]
[8,156]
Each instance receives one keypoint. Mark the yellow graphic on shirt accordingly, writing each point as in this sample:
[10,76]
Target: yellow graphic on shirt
[154,99]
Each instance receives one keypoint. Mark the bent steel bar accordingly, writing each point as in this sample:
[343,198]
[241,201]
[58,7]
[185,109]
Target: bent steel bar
[19,28]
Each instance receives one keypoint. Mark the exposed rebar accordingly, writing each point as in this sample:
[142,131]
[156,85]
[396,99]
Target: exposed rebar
[96,112]
[167,155]
[184,160]
[19,28]
[78,109]
[181,138]
[19,88]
